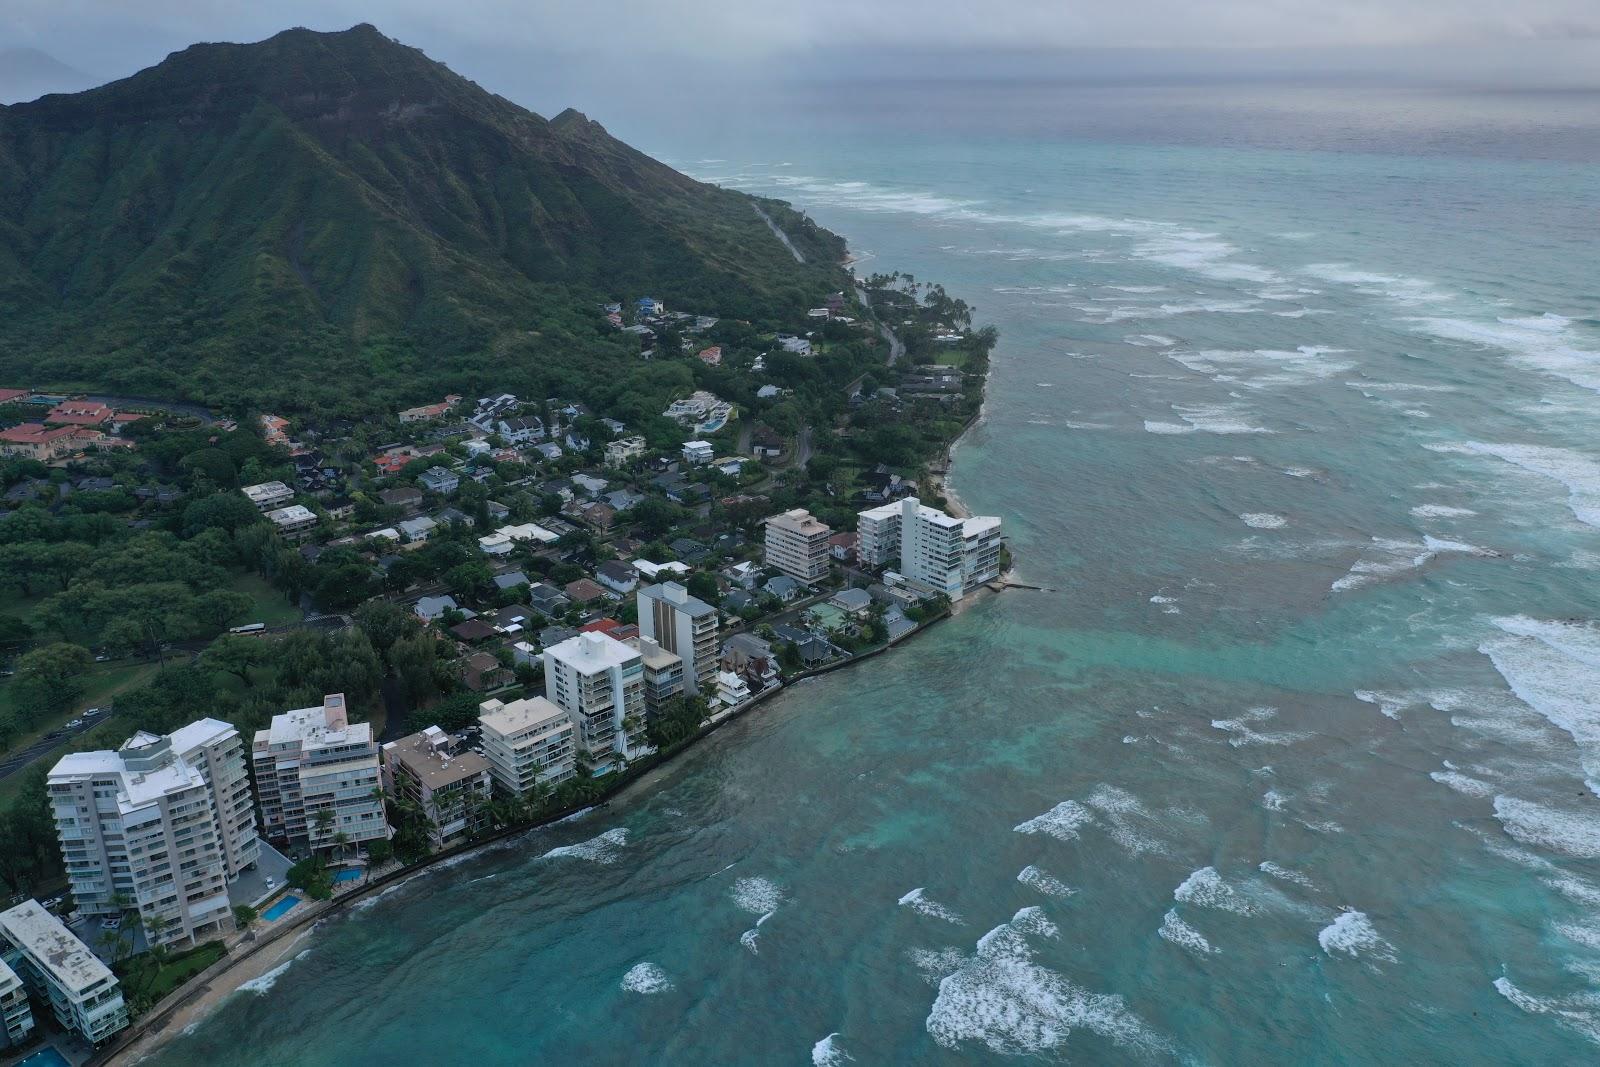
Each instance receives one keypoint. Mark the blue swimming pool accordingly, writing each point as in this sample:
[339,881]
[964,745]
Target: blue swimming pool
[278,910]
[348,874]
[45,1057]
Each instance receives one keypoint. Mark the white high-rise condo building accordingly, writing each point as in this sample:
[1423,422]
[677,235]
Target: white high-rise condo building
[797,544]
[942,553]
[683,625]
[315,760]
[82,992]
[159,826]
[528,743]
[599,682]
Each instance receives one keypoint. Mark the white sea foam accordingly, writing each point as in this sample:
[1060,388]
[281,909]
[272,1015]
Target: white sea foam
[919,901]
[1399,288]
[1273,800]
[1390,704]
[934,964]
[1353,934]
[1002,999]
[1244,732]
[750,939]
[1390,557]
[1149,340]
[1554,668]
[603,849]
[646,979]
[1045,883]
[1569,832]
[1182,934]
[1204,419]
[1263,520]
[1140,289]
[1579,473]
[828,1053]
[1579,1012]
[1284,874]
[1441,511]
[1125,819]
[1061,822]
[1464,784]
[263,983]
[1545,342]
[1206,888]
[1265,368]
[757,896]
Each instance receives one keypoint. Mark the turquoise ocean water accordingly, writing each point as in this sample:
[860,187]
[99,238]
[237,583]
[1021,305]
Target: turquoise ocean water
[1295,413]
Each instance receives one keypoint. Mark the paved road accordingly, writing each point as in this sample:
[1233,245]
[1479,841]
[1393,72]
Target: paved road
[897,348]
[197,411]
[779,234]
[22,758]
[802,448]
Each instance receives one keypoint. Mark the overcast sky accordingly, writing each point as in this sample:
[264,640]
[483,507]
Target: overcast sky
[1555,40]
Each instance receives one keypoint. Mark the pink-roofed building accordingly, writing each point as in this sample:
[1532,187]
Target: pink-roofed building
[711,357]
[78,413]
[34,440]
[8,396]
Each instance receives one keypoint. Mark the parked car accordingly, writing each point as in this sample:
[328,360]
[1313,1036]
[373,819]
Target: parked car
[74,724]
[113,923]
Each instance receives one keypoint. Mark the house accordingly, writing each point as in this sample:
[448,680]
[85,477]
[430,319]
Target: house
[430,608]
[711,357]
[388,533]
[438,480]
[623,499]
[430,411]
[687,550]
[701,412]
[817,313]
[583,591]
[599,515]
[549,450]
[617,577]
[783,587]
[394,460]
[736,601]
[589,485]
[548,599]
[768,392]
[697,452]
[473,630]
[842,547]
[732,465]
[453,517]
[751,657]
[406,497]
[481,672]
[649,306]
[663,571]
[476,447]
[731,689]
[498,512]
[416,531]
[620,451]
[811,648]
[798,346]
[745,575]
[577,442]
[554,635]
[852,601]
[522,430]
[765,444]
[512,620]
[510,580]
[502,540]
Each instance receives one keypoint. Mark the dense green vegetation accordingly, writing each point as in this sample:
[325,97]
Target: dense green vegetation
[370,225]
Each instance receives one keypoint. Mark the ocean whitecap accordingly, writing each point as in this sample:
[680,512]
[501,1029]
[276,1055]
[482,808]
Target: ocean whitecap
[919,901]
[646,979]
[602,849]
[1049,885]
[1353,934]
[1180,933]
[1061,822]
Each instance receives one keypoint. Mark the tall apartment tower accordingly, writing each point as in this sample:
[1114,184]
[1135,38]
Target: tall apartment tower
[314,760]
[683,625]
[797,544]
[940,552]
[599,682]
[159,826]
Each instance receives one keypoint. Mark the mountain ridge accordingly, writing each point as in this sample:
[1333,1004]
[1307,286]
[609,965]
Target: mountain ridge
[340,207]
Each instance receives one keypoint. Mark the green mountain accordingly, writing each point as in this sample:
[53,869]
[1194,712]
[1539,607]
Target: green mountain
[333,220]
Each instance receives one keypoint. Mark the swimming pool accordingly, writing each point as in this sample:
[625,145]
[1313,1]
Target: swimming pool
[278,910]
[46,1057]
[348,874]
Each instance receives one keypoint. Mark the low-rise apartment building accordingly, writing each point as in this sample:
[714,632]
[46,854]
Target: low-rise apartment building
[16,1014]
[663,674]
[529,744]
[82,992]
[315,760]
[447,782]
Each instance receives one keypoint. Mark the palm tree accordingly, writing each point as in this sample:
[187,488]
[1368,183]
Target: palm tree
[323,820]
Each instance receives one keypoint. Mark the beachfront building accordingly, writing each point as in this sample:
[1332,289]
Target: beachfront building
[663,674]
[16,1014]
[447,782]
[683,625]
[315,760]
[530,744]
[160,826]
[731,689]
[268,496]
[938,552]
[797,544]
[599,682]
[61,971]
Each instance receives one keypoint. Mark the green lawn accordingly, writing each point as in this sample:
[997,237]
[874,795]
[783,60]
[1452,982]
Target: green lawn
[144,981]
[270,606]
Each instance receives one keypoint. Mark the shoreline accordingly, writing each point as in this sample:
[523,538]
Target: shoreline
[272,949]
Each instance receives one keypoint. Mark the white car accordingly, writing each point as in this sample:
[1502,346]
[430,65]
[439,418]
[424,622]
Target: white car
[74,724]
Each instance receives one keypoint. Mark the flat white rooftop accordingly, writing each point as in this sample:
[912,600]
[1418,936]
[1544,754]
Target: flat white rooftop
[51,945]
[532,714]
